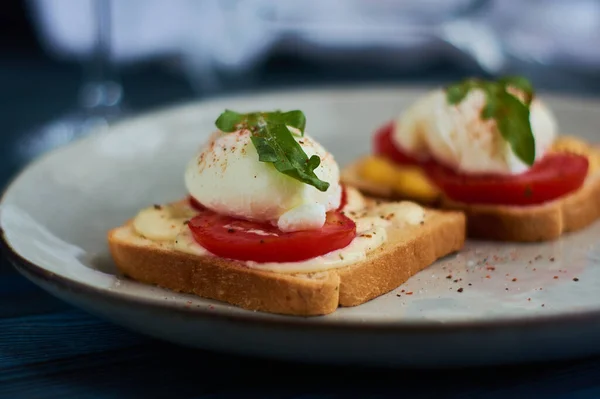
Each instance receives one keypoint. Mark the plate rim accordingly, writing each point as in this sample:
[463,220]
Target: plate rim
[30,269]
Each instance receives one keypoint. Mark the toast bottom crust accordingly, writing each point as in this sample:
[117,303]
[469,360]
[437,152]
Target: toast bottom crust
[536,223]
[386,268]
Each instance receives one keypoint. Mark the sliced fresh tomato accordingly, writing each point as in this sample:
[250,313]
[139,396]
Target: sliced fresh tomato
[385,146]
[344,199]
[553,176]
[243,240]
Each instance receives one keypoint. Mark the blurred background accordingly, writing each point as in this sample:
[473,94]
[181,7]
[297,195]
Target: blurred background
[67,65]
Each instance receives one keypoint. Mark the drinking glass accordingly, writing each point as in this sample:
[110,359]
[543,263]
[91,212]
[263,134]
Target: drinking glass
[100,100]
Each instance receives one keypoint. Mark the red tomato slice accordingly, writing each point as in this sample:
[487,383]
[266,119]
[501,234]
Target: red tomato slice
[344,199]
[385,146]
[553,176]
[243,240]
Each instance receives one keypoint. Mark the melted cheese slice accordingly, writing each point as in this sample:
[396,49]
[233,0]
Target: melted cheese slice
[373,223]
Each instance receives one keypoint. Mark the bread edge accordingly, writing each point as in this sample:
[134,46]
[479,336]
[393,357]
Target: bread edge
[533,223]
[538,223]
[385,269]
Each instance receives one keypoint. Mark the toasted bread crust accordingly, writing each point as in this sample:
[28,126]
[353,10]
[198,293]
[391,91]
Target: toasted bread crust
[535,223]
[229,281]
[386,271]
[532,223]
[224,280]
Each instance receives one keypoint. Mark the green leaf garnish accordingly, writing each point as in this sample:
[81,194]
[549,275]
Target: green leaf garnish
[291,118]
[275,143]
[229,120]
[456,93]
[511,114]
[512,117]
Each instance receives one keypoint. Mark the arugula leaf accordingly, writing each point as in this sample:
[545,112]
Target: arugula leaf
[294,119]
[275,143]
[457,92]
[229,120]
[510,113]
[490,109]
[513,122]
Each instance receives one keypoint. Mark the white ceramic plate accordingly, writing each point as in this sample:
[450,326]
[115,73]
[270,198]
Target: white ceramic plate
[518,302]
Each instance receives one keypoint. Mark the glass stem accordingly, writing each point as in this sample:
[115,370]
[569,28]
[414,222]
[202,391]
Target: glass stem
[102,93]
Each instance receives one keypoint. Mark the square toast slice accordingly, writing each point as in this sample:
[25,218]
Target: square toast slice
[407,250]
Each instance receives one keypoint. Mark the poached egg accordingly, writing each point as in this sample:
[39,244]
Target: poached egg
[227,178]
[457,136]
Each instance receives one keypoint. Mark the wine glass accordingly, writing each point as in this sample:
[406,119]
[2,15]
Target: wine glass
[100,99]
